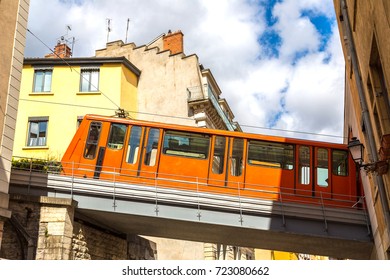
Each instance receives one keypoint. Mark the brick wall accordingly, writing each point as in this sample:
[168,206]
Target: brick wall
[173,42]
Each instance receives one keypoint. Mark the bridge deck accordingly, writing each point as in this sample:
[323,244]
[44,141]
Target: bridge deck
[155,211]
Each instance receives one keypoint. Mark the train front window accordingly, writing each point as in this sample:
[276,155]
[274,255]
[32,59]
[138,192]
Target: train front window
[271,154]
[92,140]
[322,167]
[340,162]
[134,144]
[117,136]
[186,144]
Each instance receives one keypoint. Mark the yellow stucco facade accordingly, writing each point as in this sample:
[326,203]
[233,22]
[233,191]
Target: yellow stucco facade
[65,103]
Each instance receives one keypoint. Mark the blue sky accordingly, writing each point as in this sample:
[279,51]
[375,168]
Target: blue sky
[284,59]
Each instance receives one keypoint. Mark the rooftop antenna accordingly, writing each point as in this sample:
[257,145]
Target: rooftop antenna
[108,28]
[65,39]
[127,29]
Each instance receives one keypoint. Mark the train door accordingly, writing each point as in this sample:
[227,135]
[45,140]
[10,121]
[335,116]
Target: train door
[217,167]
[131,160]
[110,157]
[236,164]
[304,176]
[150,152]
[313,172]
[322,178]
[91,161]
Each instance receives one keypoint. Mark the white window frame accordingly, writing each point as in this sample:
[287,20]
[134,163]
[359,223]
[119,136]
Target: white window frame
[89,79]
[35,128]
[43,85]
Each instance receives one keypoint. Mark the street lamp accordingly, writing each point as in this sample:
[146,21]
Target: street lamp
[357,150]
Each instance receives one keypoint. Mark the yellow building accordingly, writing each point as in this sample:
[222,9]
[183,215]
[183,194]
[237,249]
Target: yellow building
[56,93]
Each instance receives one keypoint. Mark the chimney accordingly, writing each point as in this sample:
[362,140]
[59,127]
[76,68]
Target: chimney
[173,42]
[62,50]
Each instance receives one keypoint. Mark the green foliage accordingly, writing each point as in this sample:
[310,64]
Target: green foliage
[39,165]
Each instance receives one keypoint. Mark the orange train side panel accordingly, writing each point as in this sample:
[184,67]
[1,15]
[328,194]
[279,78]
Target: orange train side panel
[193,173]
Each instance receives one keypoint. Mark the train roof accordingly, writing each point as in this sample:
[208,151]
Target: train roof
[217,132]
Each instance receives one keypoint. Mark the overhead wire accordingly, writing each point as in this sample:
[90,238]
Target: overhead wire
[154,114]
[184,118]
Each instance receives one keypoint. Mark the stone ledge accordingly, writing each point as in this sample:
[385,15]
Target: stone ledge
[44,200]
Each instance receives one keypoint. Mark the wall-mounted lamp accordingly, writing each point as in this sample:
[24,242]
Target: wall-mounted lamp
[357,152]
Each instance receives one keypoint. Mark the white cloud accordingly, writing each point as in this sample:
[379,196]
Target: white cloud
[305,94]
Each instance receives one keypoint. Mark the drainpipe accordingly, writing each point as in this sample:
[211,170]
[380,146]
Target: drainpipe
[365,114]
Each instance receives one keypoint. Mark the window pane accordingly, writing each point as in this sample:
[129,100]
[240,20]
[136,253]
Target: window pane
[47,81]
[84,81]
[304,165]
[186,144]
[92,140]
[134,143]
[219,155]
[94,81]
[38,81]
[237,152]
[151,148]
[117,136]
[322,167]
[340,162]
[271,154]
[37,133]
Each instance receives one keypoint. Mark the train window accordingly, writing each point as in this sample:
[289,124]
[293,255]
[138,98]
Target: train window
[219,154]
[117,135]
[322,167]
[134,143]
[340,162]
[92,140]
[304,165]
[271,154]
[186,144]
[237,154]
[151,147]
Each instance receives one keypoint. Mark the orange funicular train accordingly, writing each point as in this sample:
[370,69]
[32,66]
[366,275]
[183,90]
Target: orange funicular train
[214,161]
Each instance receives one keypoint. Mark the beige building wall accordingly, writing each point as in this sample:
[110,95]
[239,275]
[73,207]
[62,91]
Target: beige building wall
[365,35]
[13,22]
[173,87]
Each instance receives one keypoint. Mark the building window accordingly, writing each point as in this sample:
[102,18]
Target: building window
[42,80]
[89,80]
[37,131]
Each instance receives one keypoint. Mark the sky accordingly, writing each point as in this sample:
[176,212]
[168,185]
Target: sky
[278,63]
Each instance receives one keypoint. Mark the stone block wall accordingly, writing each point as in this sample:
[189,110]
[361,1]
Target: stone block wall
[44,228]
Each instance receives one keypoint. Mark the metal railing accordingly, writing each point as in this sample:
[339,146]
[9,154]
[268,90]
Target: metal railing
[160,188]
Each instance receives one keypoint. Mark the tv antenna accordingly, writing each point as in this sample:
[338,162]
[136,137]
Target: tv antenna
[108,28]
[66,39]
[127,29]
